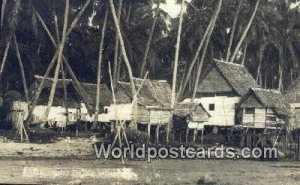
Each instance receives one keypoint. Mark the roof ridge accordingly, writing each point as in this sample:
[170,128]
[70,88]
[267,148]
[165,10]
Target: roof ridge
[268,90]
[229,63]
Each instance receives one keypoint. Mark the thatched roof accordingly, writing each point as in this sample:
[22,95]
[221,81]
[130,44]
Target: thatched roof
[150,93]
[227,77]
[105,94]
[58,99]
[292,95]
[268,99]
[73,97]
[194,111]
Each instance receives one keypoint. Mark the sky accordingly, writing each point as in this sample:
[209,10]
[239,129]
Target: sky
[171,7]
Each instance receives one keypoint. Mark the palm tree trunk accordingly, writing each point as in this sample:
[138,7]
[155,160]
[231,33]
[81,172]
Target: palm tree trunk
[194,60]
[21,68]
[41,85]
[99,70]
[233,31]
[245,32]
[77,18]
[144,61]
[175,68]
[4,57]
[3,7]
[2,67]
[295,58]
[59,60]
[116,50]
[199,70]
[63,74]
[245,53]
[280,68]
[126,61]
[128,13]
[260,59]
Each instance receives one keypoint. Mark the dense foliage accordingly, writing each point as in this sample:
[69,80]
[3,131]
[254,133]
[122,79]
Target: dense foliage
[270,50]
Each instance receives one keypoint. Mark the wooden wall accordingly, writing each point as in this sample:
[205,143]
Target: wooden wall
[262,118]
[258,119]
[158,116]
[224,113]
[295,117]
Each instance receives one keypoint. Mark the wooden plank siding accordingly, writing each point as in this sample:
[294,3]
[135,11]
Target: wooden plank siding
[224,112]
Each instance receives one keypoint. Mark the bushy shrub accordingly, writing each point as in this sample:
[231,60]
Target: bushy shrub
[42,135]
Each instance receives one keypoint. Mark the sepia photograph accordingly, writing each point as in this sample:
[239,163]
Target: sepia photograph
[150,92]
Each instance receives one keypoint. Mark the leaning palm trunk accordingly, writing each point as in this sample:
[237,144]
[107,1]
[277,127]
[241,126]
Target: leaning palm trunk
[245,32]
[175,67]
[99,70]
[116,50]
[245,53]
[126,61]
[3,64]
[194,60]
[233,31]
[199,70]
[41,85]
[144,62]
[280,68]
[21,68]
[260,59]
[59,60]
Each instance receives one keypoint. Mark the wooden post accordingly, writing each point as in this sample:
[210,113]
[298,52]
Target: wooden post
[194,136]
[298,143]
[187,135]
[157,134]
[202,135]
[149,129]
[21,126]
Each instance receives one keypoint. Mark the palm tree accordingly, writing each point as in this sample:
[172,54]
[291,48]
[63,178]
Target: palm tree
[214,18]
[245,32]
[144,61]
[99,68]
[125,58]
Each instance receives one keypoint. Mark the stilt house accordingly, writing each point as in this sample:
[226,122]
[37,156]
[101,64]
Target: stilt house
[154,107]
[222,89]
[261,108]
[189,118]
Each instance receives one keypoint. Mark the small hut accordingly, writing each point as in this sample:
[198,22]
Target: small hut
[189,118]
[154,113]
[261,108]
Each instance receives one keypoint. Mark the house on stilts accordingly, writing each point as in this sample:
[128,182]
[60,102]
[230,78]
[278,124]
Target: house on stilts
[154,112]
[221,90]
[263,108]
[188,120]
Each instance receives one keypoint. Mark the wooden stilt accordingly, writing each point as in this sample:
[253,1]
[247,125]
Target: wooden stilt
[85,126]
[187,135]
[202,135]
[157,134]
[298,144]
[194,135]
[149,129]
